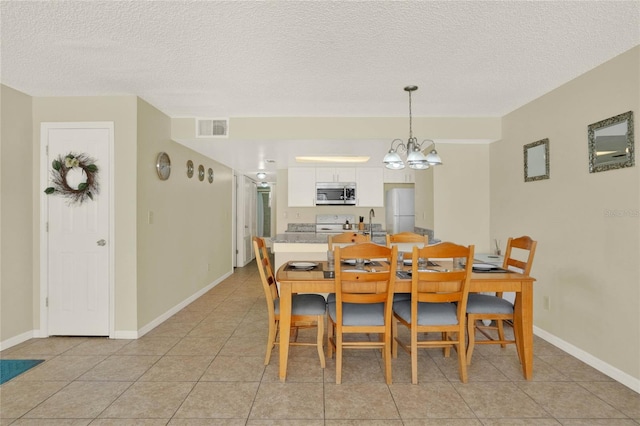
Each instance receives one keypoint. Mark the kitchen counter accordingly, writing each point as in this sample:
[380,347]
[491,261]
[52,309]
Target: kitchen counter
[300,238]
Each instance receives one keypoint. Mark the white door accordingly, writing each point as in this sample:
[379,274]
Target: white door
[78,251]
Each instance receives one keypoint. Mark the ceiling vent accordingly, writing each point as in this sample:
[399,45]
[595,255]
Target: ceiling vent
[212,127]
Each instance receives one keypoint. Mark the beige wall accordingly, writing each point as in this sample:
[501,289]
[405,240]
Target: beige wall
[424,198]
[587,261]
[461,195]
[16,226]
[188,245]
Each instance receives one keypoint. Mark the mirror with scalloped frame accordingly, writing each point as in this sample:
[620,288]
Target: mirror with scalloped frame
[611,143]
[536,160]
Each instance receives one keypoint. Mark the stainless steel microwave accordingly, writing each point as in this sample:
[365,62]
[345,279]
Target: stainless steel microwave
[335,194]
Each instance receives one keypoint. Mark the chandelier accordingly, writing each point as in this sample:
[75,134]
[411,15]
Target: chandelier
[415,158]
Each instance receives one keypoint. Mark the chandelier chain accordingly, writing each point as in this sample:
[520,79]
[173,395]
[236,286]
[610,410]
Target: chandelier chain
[410,118]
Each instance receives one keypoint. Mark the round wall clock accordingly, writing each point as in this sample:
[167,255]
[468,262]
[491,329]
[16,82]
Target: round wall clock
[210,174]
[163,166]
[201,172]
[190,169]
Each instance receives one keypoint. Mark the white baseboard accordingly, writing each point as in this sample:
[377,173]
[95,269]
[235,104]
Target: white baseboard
[16,340]
[629,381]
[123,334]
[165,316]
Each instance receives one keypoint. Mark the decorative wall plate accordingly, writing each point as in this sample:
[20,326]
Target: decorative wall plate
[190,169]
[210,175]
[201,172]
[163,165]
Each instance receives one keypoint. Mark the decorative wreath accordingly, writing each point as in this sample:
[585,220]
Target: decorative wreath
[62,166]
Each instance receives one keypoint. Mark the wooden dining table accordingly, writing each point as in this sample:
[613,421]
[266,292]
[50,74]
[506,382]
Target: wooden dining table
[317,281]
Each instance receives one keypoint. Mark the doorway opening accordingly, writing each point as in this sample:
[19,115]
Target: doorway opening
[264,211]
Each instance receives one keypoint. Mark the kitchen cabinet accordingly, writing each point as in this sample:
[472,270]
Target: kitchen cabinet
[405,175]
[301,187]
[370,187]
[335,174]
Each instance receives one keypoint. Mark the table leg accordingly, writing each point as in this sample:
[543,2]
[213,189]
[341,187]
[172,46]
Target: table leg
[523,328]
[285,328]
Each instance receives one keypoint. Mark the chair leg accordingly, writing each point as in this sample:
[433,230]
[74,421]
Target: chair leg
[471,331]
[320,339]
[501,332]
[330,337]
[338,358]
[394,335]
[447,349]
[414,356]
[462,362]
[271,340]
[386,353]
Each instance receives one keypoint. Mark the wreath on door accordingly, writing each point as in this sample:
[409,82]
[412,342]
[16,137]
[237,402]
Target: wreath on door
[75,177]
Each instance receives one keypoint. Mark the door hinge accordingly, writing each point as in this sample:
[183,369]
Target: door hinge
[46,302]
[47,149]
[46,227]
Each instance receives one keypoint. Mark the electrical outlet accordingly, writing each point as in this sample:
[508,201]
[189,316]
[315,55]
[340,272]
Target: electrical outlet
[208,267]
[546,303]
[150,217]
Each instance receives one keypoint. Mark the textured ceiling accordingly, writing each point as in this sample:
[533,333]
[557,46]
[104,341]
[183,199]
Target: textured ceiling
[318,58]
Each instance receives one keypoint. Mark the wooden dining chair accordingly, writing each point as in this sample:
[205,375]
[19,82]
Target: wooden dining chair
[438,304]
[363,304]
[346,238]
[307,310]
[495,308]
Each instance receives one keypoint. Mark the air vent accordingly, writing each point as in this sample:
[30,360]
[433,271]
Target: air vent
[212,127]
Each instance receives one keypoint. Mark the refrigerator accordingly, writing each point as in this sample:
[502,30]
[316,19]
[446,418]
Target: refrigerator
[399,210]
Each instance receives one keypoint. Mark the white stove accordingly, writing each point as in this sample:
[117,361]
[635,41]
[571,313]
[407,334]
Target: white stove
[333,223]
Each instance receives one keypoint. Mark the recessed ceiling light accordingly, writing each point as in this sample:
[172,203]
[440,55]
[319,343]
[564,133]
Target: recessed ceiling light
[333,159]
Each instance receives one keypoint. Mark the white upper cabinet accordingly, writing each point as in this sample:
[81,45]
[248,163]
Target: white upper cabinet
[335,174]
[302,187]
[405,175]
[370,187]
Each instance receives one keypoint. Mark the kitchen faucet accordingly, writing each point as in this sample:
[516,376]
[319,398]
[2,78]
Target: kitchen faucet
[371,214]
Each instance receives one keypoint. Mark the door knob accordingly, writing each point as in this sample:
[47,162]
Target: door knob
[101,243]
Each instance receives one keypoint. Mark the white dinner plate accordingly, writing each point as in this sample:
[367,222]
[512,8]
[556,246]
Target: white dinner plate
[354,270]
[353,261]
[303,265]
[484,266]
[408,261]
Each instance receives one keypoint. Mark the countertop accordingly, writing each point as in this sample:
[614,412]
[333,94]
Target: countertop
[300,238]
[313,238]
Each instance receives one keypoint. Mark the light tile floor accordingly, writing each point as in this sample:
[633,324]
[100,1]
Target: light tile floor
[204,366]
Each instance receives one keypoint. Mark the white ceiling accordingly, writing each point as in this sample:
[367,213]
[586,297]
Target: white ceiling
[311,58]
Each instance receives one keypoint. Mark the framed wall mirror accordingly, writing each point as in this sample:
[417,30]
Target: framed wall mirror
[536,160]
[611,143]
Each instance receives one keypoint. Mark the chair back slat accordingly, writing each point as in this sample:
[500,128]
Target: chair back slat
[524,245]
[454,283]
[346,238]
[267,276]
[364,286]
